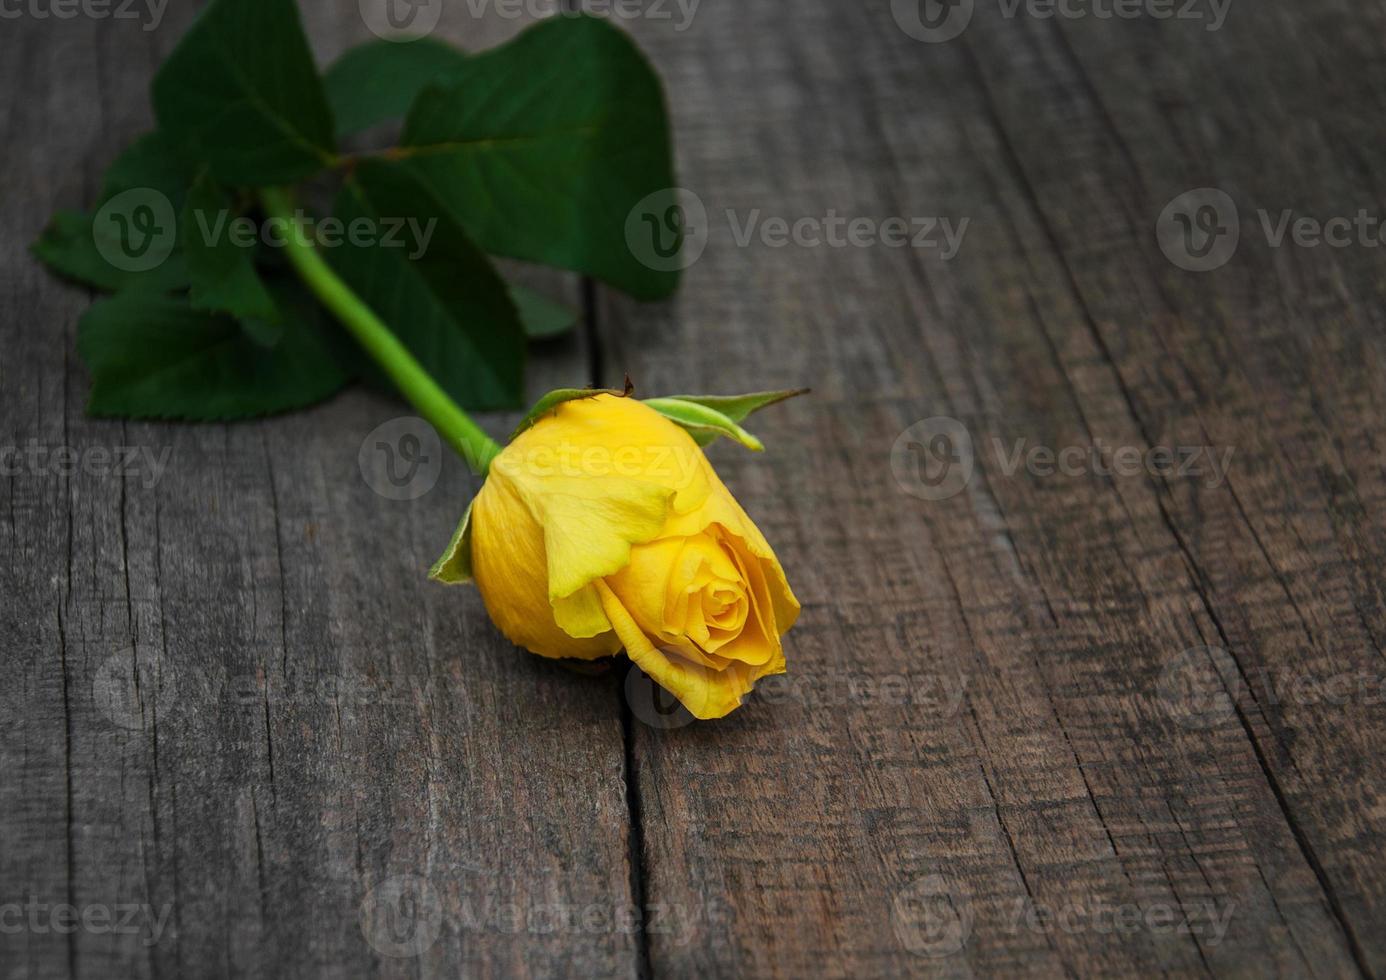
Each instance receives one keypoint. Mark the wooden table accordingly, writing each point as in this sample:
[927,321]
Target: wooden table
[1108,712]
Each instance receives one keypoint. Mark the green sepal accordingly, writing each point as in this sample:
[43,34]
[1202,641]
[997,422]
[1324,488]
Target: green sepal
[455,565]
[557,397]
[702,423]
[737,407]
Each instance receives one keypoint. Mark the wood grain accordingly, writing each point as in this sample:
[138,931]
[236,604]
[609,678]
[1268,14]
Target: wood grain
[1083,723]
[231,696]
[1091,763]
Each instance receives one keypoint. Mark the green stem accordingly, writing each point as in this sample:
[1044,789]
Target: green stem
[453,424]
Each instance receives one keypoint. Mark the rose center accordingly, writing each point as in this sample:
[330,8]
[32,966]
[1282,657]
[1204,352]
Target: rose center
[724,606]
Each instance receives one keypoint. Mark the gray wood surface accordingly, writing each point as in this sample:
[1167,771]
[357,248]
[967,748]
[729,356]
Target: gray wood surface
[1075,774]
[1079,724]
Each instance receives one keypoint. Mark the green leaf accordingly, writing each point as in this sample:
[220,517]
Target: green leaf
[544,146]
[377,81]
[737,407]
[132,239]
[241,92]
[152,161]
[72,247]
[557,397]
[266,333]
[454,567]
[222,272]
[155,356]
[703,423]
[435,289]
[542,317]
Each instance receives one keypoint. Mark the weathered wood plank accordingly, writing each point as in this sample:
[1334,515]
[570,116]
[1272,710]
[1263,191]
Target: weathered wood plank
[230,695]
[1077,771]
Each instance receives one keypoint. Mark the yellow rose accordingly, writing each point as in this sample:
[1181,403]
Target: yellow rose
[603,526]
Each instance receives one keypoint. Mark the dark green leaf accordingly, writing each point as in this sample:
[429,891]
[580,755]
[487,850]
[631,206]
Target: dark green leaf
[454,567]
[541,316]
[544,146]
[221,270]
[378,81]
[152,162]
[557,397]
[130,242]
[435,289]
[155,356]
[266,333]
[241,92]
[107,259]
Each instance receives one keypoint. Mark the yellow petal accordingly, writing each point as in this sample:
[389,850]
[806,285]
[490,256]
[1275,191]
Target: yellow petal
[758,642]
[721,508]
[600,475]
[590,525]
[604,526]
[641,586]
[705,692]
[511,572]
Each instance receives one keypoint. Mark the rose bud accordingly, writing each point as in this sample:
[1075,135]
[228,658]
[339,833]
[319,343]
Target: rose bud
[602,526]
